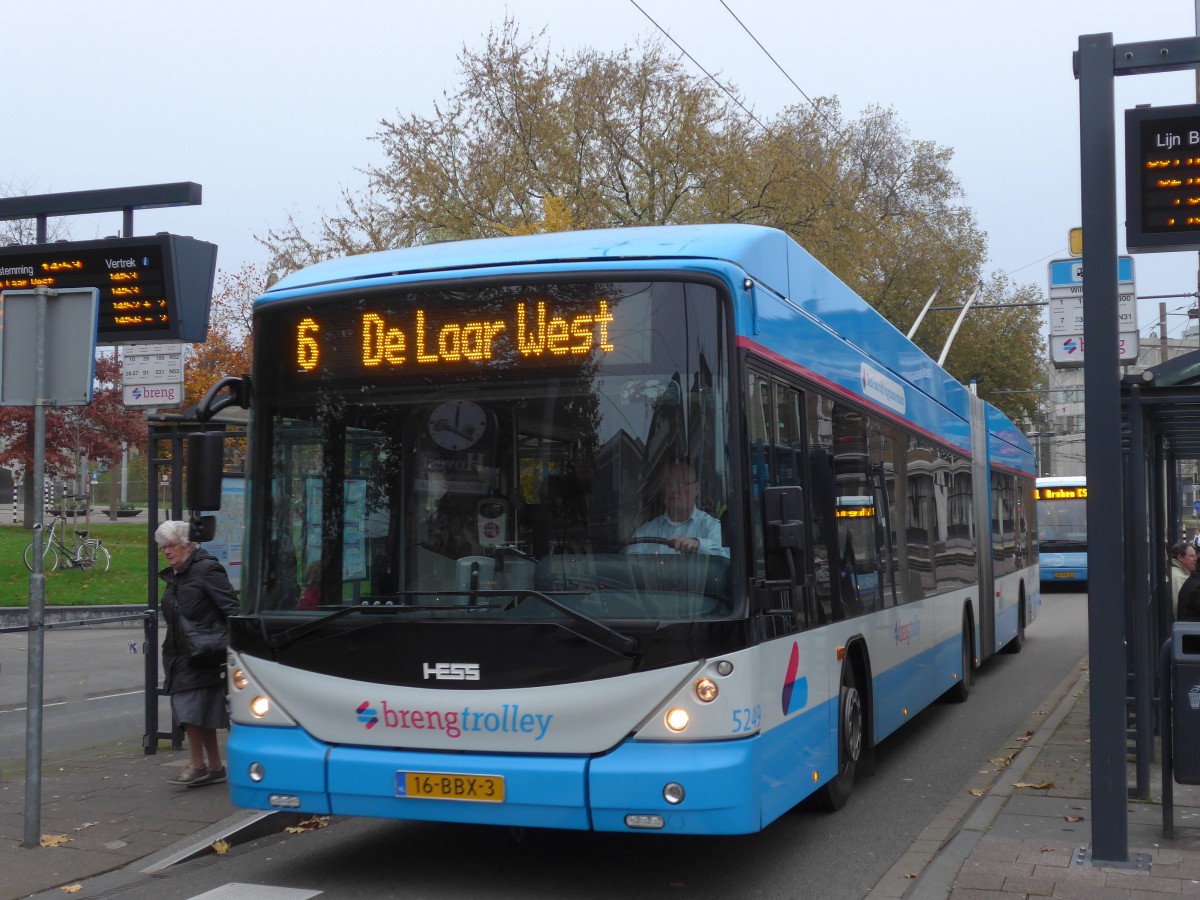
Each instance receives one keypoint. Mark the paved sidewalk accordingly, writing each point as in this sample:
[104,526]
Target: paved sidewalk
[103,809]
[1022,827]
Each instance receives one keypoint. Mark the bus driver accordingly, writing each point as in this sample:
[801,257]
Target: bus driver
[682,528]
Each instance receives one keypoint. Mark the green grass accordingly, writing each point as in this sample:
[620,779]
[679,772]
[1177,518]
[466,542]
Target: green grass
[124,582]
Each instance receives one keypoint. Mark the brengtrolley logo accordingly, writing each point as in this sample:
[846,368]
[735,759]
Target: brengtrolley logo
[509,719]
[879,387]
[366,715]
[795,690]
[908,632]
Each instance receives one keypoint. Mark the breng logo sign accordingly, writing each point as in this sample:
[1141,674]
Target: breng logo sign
[367,715]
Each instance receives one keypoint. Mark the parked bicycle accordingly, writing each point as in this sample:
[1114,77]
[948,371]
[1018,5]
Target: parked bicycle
[88,553]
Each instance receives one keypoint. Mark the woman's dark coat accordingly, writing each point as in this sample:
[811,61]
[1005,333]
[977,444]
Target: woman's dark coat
[201,591]
[1188,608]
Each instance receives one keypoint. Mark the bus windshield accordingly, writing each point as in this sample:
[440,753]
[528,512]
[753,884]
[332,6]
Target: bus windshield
[1062,524]
[508,450]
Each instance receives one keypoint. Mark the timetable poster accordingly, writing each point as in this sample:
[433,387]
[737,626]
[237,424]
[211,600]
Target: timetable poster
[354,515]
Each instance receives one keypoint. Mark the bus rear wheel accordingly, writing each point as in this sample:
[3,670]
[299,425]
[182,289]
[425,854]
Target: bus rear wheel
[1018,641]
[835,792]
[961,689]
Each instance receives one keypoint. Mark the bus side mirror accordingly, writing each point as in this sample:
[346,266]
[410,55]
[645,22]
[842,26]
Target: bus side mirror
[205,463]
[784,506]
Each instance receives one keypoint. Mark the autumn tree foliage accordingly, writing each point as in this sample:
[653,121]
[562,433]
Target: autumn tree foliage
[529,141]
[97,432]
[227,350]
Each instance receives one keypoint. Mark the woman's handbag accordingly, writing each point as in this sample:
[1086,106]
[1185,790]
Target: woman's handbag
[204,644]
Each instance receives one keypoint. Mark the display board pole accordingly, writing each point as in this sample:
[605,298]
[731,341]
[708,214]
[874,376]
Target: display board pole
[37,599]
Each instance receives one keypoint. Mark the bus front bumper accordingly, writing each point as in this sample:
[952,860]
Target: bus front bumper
[624,790]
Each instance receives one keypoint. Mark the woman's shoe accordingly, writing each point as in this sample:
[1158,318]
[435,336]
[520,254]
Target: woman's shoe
[210,776]
[192,775]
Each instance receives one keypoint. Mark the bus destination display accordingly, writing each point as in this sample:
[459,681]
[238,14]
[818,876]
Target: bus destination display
[1162,178]
[1060,493]
[432,338]
[137,279]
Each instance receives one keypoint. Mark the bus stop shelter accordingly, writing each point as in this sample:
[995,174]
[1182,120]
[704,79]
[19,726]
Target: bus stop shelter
[1160,428]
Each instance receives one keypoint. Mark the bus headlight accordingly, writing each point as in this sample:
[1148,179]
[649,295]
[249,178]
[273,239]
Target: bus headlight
[260,706]
[677,719]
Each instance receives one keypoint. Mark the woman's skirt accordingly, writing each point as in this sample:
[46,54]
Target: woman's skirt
[203,707]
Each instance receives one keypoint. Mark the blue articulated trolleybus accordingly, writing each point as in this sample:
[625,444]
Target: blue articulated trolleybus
[652,529]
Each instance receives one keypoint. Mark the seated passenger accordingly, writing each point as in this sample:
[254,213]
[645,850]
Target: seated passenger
[683,527]
[311,598]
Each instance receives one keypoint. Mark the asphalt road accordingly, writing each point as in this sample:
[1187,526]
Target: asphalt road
[93,687]
[804,854]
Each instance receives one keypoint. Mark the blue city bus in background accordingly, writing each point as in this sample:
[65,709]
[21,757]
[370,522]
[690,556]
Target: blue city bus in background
[1062,529]
[454,608]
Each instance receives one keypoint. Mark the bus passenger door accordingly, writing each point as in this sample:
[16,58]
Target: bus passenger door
[777,472]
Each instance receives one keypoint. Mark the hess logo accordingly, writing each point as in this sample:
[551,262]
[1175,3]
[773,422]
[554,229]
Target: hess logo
[451,671]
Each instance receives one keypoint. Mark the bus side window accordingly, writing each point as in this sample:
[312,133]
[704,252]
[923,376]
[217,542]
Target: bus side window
[758,410]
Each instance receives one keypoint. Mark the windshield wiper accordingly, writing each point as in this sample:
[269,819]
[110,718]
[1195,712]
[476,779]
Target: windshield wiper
[593,629]
[291,635]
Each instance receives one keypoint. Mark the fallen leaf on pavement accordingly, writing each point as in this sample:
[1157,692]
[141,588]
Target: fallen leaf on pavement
[71,888]
[978,792]
[910,875]
[86,825]
[54,840]
[1026,736]
[308,825]
[1073,818]
[1049,849]
[1036,785]
[220,847]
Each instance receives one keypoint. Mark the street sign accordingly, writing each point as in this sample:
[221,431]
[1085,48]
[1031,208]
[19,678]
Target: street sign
[69,341]
[156,395]
[1066,312]
[154,288]
[152,364]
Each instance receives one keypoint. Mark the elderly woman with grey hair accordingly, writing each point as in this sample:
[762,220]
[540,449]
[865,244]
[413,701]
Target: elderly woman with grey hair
[197,588]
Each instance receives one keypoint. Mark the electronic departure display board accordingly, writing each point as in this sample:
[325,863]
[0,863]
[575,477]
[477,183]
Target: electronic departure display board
[1162,178]
[153,288]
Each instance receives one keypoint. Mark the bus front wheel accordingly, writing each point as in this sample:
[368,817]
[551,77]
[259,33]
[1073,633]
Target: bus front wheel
[835,792]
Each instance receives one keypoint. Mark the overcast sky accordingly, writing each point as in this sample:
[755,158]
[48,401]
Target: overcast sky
[269,105]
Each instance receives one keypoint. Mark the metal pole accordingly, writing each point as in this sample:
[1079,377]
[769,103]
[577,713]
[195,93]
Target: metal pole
[1142,599]
[150,629]
[1162,325]
[1102,408]
[37,600]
